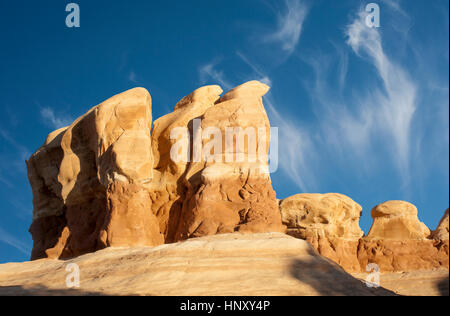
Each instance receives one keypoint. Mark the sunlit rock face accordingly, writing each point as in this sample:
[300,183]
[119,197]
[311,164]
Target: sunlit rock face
[168,188]
[327,215]
[87,181]
[107,180]
[397,220]
[227,264]
[330,222]
[114,178]
[231,189]
[397,240]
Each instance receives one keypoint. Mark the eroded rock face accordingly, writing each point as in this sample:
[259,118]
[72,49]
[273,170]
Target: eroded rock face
[168,188]
[397,240]
[227,193]
[398,255]
[130,220]
[84,174]
[106,181]
[326,215]
[397,220]
[330,222]
[442,231]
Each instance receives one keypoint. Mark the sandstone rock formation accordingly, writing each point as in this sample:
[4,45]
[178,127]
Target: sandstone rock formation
[397,220]
[442,231]
[330,222]
[401,256]
[326,215]
[397,240]
[110,180]
[168,189]
[87,181]
[106,181]
[225,265]
[225,192]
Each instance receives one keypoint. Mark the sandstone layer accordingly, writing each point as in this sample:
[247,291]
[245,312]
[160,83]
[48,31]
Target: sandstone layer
[397,240]
[87,181]
[168,189]
[330,222]
[224,265]
[105,180]
[397,220]
[231,190]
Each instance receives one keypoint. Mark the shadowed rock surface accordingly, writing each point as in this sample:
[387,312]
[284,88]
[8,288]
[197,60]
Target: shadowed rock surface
[414,283]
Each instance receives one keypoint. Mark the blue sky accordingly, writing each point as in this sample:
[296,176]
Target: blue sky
[360,111]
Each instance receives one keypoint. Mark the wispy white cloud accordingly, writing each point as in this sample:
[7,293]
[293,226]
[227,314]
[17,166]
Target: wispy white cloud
[367,127]
[340,129]
[372,125]
[395,104]
[15,159]
[261,76]
[394,5]
[210,72]
[12,115]
[53,120]
[295,146]
[132,77]
[289,26]
[9,239]
[6,182]
[13,174]
[342,64]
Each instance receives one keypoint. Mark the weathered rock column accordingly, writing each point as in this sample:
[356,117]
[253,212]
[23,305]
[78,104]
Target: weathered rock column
[84,174]
[231,189]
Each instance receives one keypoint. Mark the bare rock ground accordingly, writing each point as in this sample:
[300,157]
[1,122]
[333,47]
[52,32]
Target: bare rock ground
[224,265]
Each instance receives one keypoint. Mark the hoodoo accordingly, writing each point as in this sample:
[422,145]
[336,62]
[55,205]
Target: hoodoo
[105,180]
